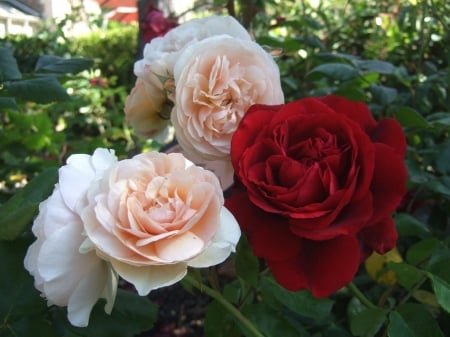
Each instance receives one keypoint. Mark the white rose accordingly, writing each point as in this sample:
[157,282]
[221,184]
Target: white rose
[161,53]
[63,272]
[154,215]
[217,80]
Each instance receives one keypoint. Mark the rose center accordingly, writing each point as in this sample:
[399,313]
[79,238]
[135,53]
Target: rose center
[223,97]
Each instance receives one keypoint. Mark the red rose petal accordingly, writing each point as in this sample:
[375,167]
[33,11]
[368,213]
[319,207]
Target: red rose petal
[348,221]
[249,127]
[390,132]
[381,237]
[322,266]
[331,264]
[389,181]
[269,235]
[357,111]
[289,273]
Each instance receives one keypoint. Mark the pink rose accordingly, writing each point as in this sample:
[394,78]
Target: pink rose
[217,80]
[161,54]
[154,215]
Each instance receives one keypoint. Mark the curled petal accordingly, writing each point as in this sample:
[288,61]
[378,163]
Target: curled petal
[148,278]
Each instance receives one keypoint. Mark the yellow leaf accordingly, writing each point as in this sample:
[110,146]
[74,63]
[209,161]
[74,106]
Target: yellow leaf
[375,266]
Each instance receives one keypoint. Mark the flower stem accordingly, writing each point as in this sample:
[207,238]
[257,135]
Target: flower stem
[227,305]
[360,296]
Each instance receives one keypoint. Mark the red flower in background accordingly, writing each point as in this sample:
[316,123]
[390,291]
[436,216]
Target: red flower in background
[317,181]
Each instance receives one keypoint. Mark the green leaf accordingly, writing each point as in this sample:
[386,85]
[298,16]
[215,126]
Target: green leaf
[300,302]
[18,212]
[271,322]
[368,322]
[383,94]
[419,320]
[132,314]
[381,67]
[440,185]
[8,103]
[43,90]
[441,290]
[408,225]
[247,264]
[407,275]
[422,250]
[22,309]
[442,162]
[218,322]
[409,117]
[8,65]
[439,118]
[398,327]
[62,65]
[335,71]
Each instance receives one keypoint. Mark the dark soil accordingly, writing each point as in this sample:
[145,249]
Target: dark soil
[181,313]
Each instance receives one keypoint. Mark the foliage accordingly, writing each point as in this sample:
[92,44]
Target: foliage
[393,55]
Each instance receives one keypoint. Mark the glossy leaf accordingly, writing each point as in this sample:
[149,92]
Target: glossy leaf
[408,225]
[381,67]
[43,90]
[8,65]
[368,322]
[419,320]
[18,212]
[300,302]
[398,327]
[22,309]
[247,264]
[422,250]
[409,117]
[407,275]
[442,290]
[270,322]
[8,103]
[57,64]
[335,71]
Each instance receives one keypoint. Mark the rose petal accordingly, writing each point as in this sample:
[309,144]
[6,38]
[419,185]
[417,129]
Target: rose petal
[387,189]
[269,234]
[357,111]
[148,278]
[390,132]
[245,134]
[180,247]
[380,237]
[223,243]
[86,294]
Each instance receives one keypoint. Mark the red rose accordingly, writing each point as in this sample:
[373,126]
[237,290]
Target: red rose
[317,181]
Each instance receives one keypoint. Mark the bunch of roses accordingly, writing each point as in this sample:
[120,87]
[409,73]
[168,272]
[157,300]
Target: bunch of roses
[201,78]
[145,219]
[315,180]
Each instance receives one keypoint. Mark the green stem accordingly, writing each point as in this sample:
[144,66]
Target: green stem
[360,296]
[227,305]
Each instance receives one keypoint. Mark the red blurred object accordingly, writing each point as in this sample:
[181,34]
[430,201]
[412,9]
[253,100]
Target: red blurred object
[155,24]
[117,3]
[125,11]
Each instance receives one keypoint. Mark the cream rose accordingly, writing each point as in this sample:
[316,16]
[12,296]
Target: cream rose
[161,53]
[146,110]
[65,273]
[217,80]
[154,215]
